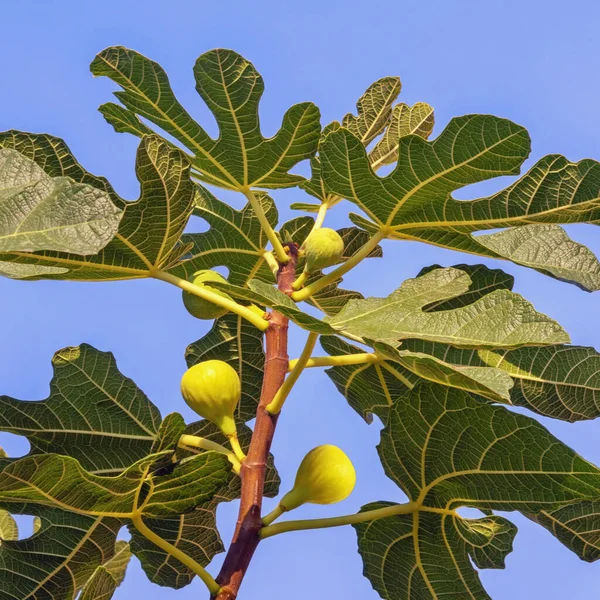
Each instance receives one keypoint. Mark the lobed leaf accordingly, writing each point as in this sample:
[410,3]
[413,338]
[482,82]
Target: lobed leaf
[54,480]
[93,413]
[58,560]
[231,88]
[562,382]
[547,248]
[414,202]
[38,212]
[148,238]
[500,319]
[406,120]
[194,532]
[107,577]
[445,450]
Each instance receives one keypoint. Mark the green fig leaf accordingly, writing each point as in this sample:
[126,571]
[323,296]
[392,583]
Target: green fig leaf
[562,382]
[575,525]
[148,238]
[194,532]
[93,413]
[491,383]
[54,480]
[548,249]
[406,120]
[483,281]
[107,577]
[414,202]
[8,527]
[234,240]
[501,319]
[231,88]
[39,212]
[374,109]
[447,450]
[60,558]
[369,388]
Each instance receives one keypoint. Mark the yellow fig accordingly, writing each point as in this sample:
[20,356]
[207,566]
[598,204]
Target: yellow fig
[199,307]
[325,476]
[212,389]
[323,248]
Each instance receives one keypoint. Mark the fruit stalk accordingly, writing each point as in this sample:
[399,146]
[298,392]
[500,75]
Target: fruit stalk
[246,535]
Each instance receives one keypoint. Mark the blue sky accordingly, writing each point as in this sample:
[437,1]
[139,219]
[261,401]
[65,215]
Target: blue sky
[533,62]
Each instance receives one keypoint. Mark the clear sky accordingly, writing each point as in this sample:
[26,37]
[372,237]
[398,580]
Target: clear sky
[535,62]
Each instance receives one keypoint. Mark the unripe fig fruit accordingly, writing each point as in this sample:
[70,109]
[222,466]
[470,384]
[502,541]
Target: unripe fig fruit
[199,307]
[323,247]
[325,476]
[212,389]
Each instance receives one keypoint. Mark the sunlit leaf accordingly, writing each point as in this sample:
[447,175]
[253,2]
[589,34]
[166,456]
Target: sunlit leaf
[501,318]
[8,527]
[231,88]
[148,238]
[547,248]
[406,120]
[492,383]
[483,281]
[414,201]
[562,382]
[39,212]
[374,109]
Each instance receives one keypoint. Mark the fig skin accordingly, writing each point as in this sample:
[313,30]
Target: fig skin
[325,476]
[199,307]
[212,389]
[324,247]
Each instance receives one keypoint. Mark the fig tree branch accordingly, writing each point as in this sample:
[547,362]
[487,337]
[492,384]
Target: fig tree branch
[249,523]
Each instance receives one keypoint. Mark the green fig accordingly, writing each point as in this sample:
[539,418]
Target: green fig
[212,389]
[325,476]
[323,248]
[199,307]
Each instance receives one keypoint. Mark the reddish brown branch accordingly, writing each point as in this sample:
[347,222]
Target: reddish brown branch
[245,538]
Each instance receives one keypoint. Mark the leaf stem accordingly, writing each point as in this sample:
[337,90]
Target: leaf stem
[362,517]
[278,248]
[237,449]
[320,216]
[204,444]
[206,294]
[324,281]
[274,514]
[274,407]
[182,557]
[339,361]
